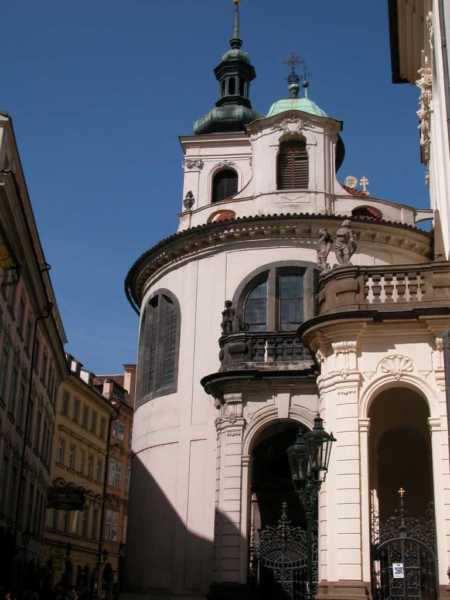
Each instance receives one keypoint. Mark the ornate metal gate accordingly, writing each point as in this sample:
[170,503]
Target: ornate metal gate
[278,561]
[404,565]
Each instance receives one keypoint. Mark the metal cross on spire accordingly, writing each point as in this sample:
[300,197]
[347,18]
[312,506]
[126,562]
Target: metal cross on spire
[293,61]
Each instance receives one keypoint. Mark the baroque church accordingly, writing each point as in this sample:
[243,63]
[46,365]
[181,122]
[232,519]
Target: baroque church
[287,307]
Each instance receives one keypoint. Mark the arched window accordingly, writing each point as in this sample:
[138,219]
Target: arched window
[367,212]
[158,347]
[277,299]
[292,165]
[225,185]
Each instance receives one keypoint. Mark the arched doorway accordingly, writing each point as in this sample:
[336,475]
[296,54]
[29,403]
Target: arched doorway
[401,490]
[277,542]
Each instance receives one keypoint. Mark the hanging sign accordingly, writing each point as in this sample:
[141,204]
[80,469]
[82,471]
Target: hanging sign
[398,571]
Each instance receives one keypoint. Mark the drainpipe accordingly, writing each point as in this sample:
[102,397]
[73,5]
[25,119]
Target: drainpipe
[20,490]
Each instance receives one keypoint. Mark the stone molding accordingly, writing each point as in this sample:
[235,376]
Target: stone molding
[343,590]
[291,228]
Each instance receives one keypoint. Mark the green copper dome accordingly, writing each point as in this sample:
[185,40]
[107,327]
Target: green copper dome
[304,104]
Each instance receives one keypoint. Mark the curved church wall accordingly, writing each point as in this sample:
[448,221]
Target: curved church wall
[175,438]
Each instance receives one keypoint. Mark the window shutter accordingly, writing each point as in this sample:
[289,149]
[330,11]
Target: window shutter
[147,350]
[167,346]
[158,351]
[293,167]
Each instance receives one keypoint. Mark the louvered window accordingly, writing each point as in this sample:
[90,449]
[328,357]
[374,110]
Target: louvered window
[293,168]
[158,351]
[225,185]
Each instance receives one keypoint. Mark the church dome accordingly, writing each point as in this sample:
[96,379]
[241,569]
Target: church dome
[235,72]
[236,54]
[303,104]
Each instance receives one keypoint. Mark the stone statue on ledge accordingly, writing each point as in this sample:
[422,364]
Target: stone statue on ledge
[345,243]
[323,250]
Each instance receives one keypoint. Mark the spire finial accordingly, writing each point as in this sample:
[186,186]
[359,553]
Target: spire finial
[236,41]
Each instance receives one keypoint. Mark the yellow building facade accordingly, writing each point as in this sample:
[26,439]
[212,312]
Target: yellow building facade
[80,454]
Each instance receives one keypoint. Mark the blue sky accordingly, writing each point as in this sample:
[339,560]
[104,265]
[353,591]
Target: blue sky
[99,91]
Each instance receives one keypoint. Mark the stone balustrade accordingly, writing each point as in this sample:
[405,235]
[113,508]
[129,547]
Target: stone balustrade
[385,288]
[281,351]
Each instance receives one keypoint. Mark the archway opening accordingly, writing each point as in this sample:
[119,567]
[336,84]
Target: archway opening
[271,483]
[401,482]
[278,545]
[400,452]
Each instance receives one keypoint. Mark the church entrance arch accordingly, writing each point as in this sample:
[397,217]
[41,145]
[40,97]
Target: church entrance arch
[277,540]
[403,536]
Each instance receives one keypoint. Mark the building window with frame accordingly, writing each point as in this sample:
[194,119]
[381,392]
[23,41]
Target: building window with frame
[20,316]
[65,401]
[115,474]
[61,451]
[118,430]
[82,461]
[76,410]
[72,457]
[94,422]
[90,472]
[293,165]
[111,526]
[94,523]
[4,370]
[224,185]
[159,347]
[99,470]
[37,356]
[13,387]
[85,422]
[278,298]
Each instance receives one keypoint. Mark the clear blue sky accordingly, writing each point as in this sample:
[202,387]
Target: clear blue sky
[100,89]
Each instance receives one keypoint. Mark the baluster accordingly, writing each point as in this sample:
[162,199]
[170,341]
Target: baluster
[271,350]
[401,287]
[376,288]
[413,286]
[388,287]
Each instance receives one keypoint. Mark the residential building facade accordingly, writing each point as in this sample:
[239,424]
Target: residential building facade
[420,33]
[118,389]
[79,463]
[286,299]
[32,365]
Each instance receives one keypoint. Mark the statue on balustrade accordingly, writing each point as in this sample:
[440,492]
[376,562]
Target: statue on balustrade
[323,250]
[345,243]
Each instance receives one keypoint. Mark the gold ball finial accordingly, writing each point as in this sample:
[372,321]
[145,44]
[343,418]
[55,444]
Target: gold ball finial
[236,1]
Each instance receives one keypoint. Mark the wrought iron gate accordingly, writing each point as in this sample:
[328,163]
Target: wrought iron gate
[278,562]
[404,565]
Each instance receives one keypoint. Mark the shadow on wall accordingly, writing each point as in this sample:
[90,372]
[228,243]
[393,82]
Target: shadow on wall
[163,557]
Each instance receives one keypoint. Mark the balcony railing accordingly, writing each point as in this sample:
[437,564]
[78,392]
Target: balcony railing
[263,351]
[385,288]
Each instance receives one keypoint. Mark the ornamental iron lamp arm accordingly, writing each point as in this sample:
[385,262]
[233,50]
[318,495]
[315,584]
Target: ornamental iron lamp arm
[309,459]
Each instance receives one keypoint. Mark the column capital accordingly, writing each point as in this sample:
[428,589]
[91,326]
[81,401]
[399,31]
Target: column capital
[364,425]
[435,424]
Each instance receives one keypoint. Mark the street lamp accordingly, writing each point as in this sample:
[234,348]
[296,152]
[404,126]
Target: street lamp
[309,458]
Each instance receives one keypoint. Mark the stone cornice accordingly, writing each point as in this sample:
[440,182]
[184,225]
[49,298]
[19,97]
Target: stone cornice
[324,122]
[293,227]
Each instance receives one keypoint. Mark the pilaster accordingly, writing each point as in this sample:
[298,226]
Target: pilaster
[227,539]
[340,526]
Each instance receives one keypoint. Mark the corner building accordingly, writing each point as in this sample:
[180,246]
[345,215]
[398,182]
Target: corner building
[334,304]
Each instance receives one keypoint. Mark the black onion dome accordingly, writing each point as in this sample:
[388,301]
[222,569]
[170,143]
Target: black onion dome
[233,110]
